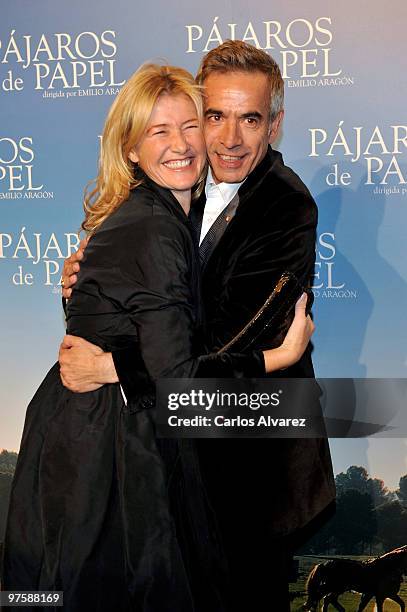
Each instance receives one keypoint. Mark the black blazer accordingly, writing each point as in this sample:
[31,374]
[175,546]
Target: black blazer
[285,482]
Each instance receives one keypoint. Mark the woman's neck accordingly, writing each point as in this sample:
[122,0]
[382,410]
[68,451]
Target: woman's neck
[184,198]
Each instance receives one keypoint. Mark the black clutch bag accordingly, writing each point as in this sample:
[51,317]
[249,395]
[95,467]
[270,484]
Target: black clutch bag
[273,319]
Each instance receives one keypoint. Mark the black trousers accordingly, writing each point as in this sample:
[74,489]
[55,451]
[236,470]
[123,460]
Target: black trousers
[259,574]
[258,563]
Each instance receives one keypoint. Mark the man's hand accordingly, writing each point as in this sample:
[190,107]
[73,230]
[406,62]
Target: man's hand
[84,366]
[71,268]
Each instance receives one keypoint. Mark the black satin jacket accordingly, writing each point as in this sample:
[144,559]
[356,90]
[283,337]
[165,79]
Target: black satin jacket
[141,284]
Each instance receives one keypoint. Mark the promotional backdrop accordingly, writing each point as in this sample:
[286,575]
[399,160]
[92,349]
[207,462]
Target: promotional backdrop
[344,133]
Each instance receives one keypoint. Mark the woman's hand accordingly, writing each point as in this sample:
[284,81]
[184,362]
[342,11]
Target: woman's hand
[295,342]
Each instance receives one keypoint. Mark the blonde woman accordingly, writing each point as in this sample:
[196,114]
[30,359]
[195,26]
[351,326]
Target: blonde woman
[90,512]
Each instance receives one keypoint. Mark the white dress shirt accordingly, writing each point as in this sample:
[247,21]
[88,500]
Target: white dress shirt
[218,197]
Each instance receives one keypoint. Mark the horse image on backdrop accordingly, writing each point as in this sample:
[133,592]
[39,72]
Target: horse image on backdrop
[378,578]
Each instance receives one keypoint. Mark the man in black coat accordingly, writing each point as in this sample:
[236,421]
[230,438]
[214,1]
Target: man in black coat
[265,492]
[259,221]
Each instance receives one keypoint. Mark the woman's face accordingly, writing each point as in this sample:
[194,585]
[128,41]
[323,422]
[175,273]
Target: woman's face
[172,150]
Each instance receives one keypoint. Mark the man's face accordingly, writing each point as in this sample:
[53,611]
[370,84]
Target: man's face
[237,125]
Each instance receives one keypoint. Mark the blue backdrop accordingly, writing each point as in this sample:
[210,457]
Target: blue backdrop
[345,133]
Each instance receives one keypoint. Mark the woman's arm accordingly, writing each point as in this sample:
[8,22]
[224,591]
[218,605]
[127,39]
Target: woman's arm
[162,309]
[85,367]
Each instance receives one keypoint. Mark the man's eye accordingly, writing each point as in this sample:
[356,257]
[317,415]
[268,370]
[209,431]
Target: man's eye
[215,118]
[251,120]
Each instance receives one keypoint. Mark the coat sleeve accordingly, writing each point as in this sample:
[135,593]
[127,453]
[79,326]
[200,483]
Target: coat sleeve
[161,306]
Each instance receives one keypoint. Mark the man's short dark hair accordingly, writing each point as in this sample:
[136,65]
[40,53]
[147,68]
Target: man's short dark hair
[238,56]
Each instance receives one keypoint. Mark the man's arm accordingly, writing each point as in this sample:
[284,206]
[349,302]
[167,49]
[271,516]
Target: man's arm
[83,366]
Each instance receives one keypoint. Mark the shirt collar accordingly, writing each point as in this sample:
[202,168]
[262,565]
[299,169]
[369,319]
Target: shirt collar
[226,190]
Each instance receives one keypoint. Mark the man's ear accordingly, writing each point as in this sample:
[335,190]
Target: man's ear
[275,127]
[133,156]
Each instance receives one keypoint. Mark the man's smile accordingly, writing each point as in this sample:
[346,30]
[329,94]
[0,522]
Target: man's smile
[230,161]
[230,157]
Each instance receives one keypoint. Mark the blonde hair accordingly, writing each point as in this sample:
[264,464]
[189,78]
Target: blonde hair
[238,56]
[124,127]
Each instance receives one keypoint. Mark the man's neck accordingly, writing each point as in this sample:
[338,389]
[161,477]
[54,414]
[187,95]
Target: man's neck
[210,179]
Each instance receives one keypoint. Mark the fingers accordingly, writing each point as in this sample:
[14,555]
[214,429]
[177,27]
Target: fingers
[61,352]
[69,341]
[71,268]
[69,278]
[67,382]
[76,342]
[71,264]
[311,325]
[83,243]
[301,304]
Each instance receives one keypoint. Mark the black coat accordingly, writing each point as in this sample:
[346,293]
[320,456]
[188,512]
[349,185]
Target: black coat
[284,483]
[89,509]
